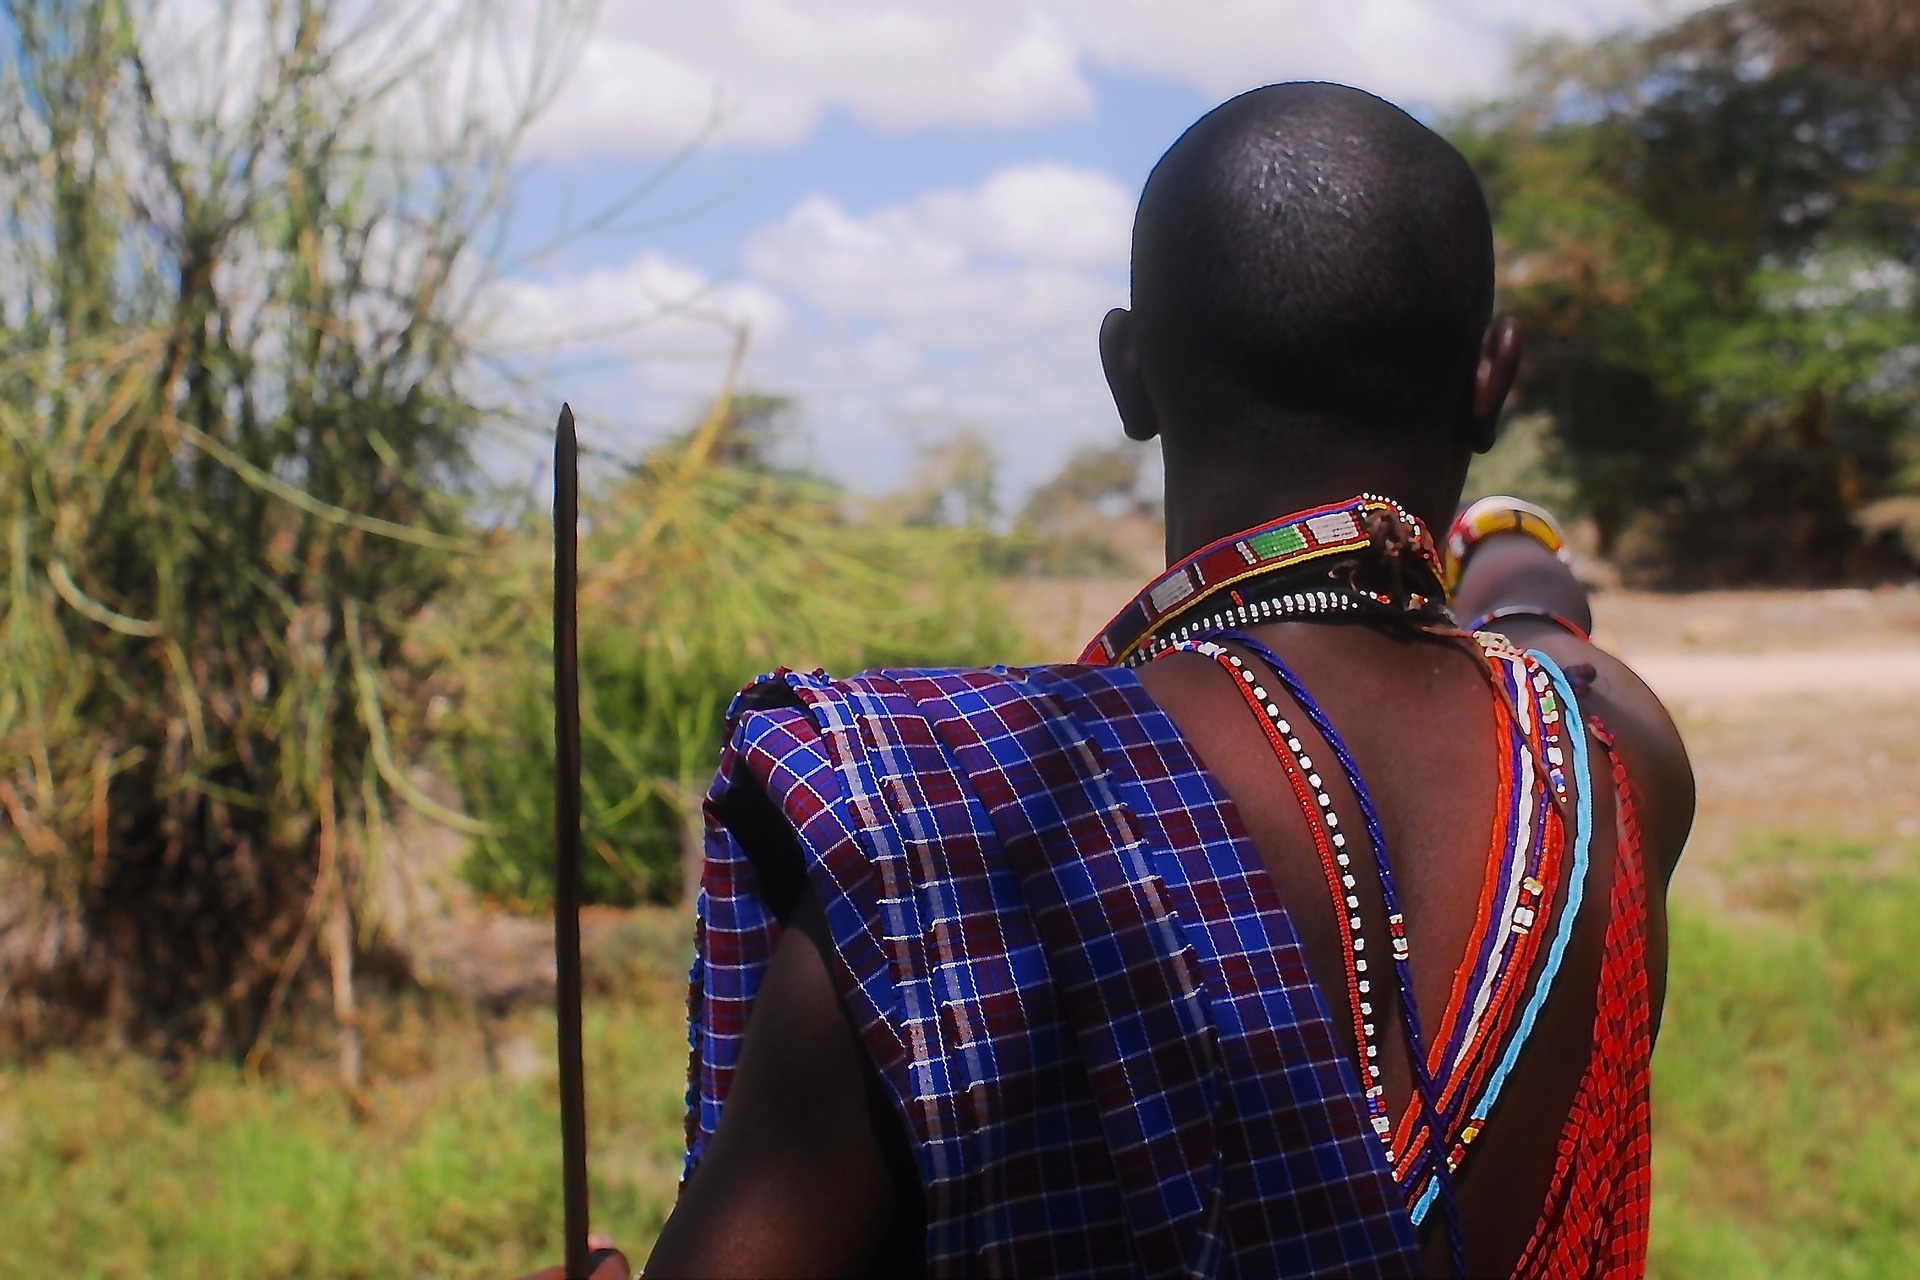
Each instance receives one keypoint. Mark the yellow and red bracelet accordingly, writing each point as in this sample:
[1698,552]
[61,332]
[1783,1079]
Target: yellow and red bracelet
[1499,514]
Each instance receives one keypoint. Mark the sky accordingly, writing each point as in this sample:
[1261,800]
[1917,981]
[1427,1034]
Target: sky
[915,213]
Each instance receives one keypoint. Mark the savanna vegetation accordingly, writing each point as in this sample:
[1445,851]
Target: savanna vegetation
[257,603]
[243,249]
[256,590]
[704,565]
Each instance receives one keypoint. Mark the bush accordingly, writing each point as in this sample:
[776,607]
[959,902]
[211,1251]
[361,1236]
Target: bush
[700,570]
[235,405]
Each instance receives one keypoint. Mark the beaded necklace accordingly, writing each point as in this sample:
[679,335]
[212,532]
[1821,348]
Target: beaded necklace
[1434,1136]
[1561,708]
[1330,844]
[1309,562]
[1504,943]
[1396,927]
[1314,565]
[1502,846]
[1480,969]
[1517,888]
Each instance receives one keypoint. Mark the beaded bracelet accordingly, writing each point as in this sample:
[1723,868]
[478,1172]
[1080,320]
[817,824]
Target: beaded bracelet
[1499,514]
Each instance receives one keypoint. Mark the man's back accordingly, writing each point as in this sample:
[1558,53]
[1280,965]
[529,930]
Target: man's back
[1417,715]
[840,1169]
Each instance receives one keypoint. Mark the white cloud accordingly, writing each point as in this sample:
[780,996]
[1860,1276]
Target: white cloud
[1017,256]
[637,349]
[1043,213]
[1433,51]
[654,71]
[650,303]
[975,307]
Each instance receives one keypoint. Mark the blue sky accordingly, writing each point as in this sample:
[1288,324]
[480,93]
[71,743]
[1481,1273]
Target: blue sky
[917,213]
[722,193]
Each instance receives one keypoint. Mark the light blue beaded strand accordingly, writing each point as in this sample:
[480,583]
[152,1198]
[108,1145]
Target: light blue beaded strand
[1563,929]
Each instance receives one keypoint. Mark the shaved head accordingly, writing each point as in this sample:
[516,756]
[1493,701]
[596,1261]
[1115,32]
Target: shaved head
[1311,259]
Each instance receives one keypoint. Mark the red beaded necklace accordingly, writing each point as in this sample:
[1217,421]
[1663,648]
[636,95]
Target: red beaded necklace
[1306,562]
[1524,865]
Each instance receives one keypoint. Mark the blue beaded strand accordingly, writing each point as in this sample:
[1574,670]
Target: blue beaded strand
[1410,1013]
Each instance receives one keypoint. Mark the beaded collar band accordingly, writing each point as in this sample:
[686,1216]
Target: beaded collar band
[1339,535]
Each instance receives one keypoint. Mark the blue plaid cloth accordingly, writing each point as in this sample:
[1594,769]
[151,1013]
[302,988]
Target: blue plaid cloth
[1068,967]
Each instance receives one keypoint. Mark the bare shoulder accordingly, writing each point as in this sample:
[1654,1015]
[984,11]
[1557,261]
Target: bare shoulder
[1644,734]
[1177,678]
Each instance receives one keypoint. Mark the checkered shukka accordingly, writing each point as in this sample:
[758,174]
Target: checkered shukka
[1068,968]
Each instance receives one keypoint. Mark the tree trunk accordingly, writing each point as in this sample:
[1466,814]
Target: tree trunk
[346,1016]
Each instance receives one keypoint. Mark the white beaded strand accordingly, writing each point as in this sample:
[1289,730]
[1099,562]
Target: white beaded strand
[1370,1046]
[1295,604]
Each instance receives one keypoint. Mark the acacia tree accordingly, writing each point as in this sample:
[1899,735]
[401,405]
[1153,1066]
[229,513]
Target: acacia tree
[1712,235]
[243,249]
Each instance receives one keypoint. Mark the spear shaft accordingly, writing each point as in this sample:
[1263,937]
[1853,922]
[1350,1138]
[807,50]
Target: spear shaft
[566,842]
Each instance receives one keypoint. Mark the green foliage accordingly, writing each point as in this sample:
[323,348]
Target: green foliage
[1709,236]
[1526,462]
[700,570]
[1074,524]
[957,484]
[234,399]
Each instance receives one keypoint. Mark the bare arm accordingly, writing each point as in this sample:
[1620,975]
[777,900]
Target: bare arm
[1508,570]
[799,1179]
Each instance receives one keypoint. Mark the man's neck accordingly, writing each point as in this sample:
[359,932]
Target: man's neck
[1204,506]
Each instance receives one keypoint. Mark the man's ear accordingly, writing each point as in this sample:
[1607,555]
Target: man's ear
[1492,379]
[1120,356]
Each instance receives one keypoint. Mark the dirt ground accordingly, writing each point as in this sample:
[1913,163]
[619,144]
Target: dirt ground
[1801,709]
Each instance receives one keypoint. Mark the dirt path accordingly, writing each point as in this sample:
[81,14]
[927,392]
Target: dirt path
[1801,711]
[1794,745]
[1733,683]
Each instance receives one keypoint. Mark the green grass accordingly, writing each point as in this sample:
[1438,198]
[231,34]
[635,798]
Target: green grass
[1787,1117]
[445,1168]
[1787,1081]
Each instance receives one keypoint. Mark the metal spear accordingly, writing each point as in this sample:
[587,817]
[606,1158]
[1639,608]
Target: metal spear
[566,842]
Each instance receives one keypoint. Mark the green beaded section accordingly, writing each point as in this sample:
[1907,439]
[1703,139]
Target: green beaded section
[1277,542]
